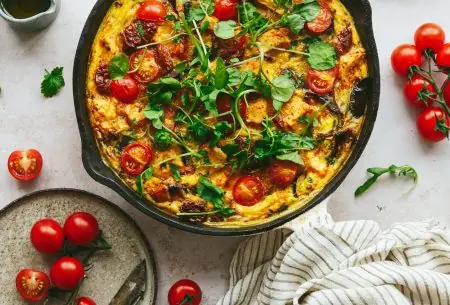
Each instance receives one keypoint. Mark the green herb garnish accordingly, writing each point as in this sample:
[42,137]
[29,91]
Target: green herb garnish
[52,82]
[118,66]
[225,29]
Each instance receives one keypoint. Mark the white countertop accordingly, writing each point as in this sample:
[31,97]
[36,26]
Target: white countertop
[30,121]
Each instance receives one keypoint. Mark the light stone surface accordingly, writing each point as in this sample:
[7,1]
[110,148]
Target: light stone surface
[28,120]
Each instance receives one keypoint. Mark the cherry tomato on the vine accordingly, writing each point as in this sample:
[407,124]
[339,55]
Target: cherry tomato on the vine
[81,228]
[432,124]
[443,56]
[66,272]
[248,191]
[446,93]
[429,36]
[47,236]
[32,285]
[152,10]
[25,165]
[185,292]
[417,86]
[85,301]
[405,56]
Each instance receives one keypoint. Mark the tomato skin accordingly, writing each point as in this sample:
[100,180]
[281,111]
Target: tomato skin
[66,272]
[32,285]
[426,123]
[224,104]
[185,292]
[135,157]
[443,56]
[85,301]
[429,36]
[148,68]
[322,22]
[125,90]
[321,82]
[225,9]
[81,228]
[47,236]
[283,172]
[405,56]
[152,11]
[248,191]
[412,89]
[446,92]
[25,165]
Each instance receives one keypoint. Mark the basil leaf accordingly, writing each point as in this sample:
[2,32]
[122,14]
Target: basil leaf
[293,157]
[225,29]
[322,56]
[155,115]
[118,66]
[175,172]
[221,76]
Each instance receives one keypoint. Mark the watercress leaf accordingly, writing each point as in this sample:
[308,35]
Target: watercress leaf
[204,26]
[170,17]
[140,180]
[220,129]
[210,192]
[221,76]
[230,149]
[277,105]
[118,66]
[154,115]
[180,67]
[225,29]
[227,212]
[293,157]
[282,88]
[295,22]
[163,139]
[52,82]
[199,131]
[171,82]
[195,13]
[175,172]
[234,76]
[322,56]
[210,102]
[309,10]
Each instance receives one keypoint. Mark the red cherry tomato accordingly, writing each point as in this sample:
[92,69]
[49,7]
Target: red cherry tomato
[321,82]
[248,191]
[81,228]
[443,56]
[322,22]
[429,36]
[405,56]
[32,285]
[146,68]
[185,292]
[413,87]
[152,10]
[224,104]
[225,9]
[283,172]
[25,165]
[427,124]
[125,90]
[446,92]
[47,236]
[66,272]
[85,301]
[135,157]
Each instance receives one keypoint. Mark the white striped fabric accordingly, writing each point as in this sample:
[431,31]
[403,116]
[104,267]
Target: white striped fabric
[326,263]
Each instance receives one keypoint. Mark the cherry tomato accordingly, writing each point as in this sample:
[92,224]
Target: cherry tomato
[135,158]
[427,124]
[224,104]
[146,68]
[85,301]
[47,236]
[446,92]
[412,89]
[32,285]
[66,272]
[405,56]
[125,90]
[283,172]
[25,165]
[152,10]
[81,228]
[321,82]
[443,56]
[225,9]
[429,36]
[322,22]
[248,191]
[185,292]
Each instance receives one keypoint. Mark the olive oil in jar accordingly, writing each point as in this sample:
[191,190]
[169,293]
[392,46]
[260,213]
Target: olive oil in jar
[22,9]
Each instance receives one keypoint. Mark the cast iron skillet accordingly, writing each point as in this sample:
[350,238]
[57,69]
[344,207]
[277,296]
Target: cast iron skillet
[362,14]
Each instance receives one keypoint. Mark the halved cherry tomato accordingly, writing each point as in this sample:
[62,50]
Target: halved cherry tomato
[85,301]
[443,56]
[146,68]
[322,22]
[224,104]
[427,124]
[283,172]
[47,236]
[81,228]
[321,82]
[135,158]
[405,56]
[429,36]
[225,9]
[25,165]
[152,10]
[412,89]
[125,90]
[32,285]
[248,191]
[185,292]
[66,272]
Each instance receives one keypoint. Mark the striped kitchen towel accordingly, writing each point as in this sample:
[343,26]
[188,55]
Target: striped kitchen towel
[354,262]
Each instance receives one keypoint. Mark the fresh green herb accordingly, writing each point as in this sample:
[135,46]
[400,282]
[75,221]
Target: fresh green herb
[52,82]
[282,90]
[140,30]
[204,26]
[322,56]
[225,29]
[302,13]
[155,114]
[163,90]
[195,13]
[293,157]
[118,66]
[210,192]
[163,139]
[252,21]
[377,172]
[140,180]
[221,76]
[220,129]
[199,131]
[175,172]
[309,120]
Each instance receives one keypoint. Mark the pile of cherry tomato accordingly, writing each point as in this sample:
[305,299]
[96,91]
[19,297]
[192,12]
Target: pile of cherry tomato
[421,90]
[67,272]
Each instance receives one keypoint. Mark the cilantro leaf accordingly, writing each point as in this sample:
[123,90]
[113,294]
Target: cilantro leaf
[154,114]
[118,66]
[175,172]
[322,56]
[220,129]
[293,157]
[225,29]
[221,76]
[282,90]
[52,82]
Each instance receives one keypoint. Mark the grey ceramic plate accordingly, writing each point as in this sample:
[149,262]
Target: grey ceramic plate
[110,268]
